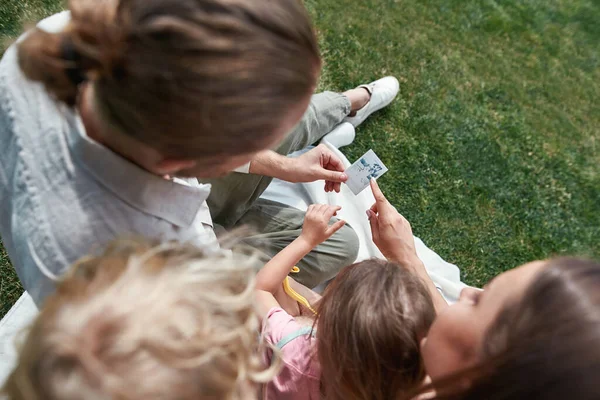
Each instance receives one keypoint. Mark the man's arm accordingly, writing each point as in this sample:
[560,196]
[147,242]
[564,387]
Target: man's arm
[269,163]
[319,163]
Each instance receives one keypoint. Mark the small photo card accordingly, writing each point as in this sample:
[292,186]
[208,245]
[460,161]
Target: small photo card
[360,173]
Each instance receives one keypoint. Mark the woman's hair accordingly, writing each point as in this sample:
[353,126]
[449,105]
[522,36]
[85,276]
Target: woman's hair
[143,322]
[370,322]
[545,345]
[190,78]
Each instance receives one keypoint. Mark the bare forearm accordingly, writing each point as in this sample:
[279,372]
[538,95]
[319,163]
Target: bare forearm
[416,266]
[269,163]
[438,301]
[271,276]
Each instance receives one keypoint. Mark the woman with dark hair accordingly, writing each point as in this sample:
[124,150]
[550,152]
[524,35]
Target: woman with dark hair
[532,333]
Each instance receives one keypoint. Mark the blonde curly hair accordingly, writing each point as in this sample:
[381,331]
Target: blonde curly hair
[146,322]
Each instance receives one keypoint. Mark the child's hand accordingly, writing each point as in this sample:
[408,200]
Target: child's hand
[316,228]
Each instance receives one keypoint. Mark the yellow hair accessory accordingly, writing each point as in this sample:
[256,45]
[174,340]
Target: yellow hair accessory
[295,295]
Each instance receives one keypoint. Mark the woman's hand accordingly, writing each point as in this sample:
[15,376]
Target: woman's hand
[316,228]
[391,231]
[393,236]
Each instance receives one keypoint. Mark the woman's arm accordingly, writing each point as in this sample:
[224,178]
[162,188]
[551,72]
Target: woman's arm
[316,230]
[393,236]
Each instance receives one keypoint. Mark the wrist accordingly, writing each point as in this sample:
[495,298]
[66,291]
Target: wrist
[409,261]
[306,243]
[257,164]
[287,168]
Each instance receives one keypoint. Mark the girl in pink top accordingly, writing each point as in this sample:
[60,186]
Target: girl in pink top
[284,325]
[363,343]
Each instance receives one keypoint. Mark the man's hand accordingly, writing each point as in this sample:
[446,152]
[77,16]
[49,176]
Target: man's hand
[391,231]
[316,228]
[319,163]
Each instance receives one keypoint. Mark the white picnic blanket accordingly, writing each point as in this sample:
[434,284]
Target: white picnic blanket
[14,322]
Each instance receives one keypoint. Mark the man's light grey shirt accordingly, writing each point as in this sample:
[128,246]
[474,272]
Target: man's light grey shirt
[63,195]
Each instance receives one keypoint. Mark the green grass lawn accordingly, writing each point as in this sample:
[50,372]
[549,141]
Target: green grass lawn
[491,144]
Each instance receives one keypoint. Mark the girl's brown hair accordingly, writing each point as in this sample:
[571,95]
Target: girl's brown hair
[545,345]
[188,77]
[370,322]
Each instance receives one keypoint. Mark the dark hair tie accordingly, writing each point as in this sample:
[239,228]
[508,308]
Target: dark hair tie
[69,53]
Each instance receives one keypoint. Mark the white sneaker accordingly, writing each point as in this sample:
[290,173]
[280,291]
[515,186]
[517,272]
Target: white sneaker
[342,135]
[382,91]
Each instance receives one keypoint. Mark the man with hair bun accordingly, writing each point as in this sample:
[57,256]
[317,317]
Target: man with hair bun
[110,113]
